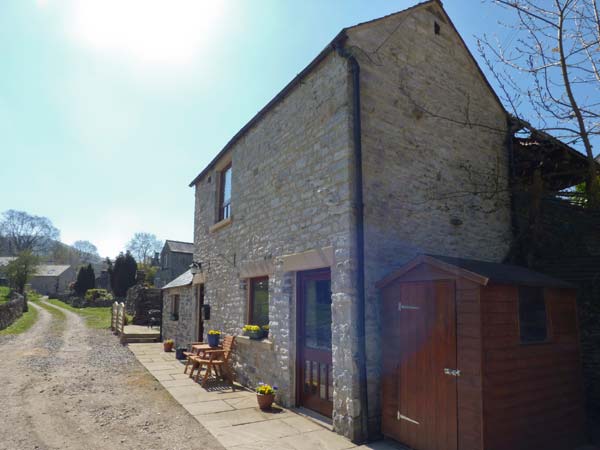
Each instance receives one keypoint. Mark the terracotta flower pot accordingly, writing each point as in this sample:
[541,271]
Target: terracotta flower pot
[167,346]
[265,401]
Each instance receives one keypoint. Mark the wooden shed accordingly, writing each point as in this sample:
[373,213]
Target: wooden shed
[479,356]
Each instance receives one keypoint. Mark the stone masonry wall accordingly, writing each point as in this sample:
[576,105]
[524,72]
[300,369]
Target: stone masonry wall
[183,330]
[290,193]
[11,310]
[432,130]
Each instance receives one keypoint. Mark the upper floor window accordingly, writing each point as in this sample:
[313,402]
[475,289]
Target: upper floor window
[258,309]
[533,326]
[225,193]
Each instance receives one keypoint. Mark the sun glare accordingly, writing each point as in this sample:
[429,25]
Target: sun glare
[155,31]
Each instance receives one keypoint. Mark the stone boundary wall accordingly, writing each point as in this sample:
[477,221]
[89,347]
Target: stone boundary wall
[11,311]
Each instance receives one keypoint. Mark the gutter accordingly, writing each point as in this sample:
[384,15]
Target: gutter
[360,240]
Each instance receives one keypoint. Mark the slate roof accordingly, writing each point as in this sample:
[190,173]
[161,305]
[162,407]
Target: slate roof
[184,279]
[4,260]
[180,247]
[50,270]
[504,273]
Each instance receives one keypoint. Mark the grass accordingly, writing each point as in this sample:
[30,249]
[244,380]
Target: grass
[22,324]
[57,313]
[98,318]
[4,293]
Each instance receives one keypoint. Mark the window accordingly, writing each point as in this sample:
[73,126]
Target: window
[258,308]
[225,194]
[175,307]
[532,315]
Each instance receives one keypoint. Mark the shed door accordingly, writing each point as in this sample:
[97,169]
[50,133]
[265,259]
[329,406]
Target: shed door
[420,397]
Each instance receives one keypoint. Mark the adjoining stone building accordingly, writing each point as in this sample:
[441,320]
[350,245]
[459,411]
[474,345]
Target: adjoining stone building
[374,153]
[52,279]
[181,315]
[175,259]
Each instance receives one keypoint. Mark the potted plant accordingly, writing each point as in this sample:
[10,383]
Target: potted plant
[213,338]
[265,331]
[265,395]
[253,331]
[168,345]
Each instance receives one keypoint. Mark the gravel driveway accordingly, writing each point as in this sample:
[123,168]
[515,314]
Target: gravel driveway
[64,386]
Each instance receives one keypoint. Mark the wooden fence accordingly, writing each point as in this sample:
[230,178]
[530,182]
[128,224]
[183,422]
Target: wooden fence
[117,323]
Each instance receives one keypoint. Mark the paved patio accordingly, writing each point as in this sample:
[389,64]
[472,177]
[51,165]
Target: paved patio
[233,417]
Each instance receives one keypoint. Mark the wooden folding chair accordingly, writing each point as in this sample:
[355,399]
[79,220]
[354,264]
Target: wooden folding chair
[217,361]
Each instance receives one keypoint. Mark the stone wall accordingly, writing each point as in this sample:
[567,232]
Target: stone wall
[290,193]
[182,330]
[432,132]
[11,310]
[141,299]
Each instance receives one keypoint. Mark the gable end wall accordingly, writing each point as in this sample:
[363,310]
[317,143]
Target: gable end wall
[416,165]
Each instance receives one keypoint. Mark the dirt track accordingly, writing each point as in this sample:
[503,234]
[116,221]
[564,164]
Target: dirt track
[64,386]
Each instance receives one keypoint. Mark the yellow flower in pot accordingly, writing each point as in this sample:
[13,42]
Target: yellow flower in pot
[265,395]
[213,338]
[252,331]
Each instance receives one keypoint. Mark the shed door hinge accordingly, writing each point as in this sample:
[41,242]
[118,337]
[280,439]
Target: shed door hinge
[401,307]
[408,419]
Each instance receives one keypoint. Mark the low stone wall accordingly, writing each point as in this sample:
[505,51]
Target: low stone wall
[11,311]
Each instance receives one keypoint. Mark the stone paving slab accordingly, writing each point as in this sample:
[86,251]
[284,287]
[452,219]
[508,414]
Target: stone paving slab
[233,416]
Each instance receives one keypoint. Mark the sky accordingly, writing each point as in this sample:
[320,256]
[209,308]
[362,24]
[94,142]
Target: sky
[109,108]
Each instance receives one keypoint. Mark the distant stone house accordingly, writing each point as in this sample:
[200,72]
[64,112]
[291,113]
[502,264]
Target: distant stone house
[175,259]
[51,279]
[378,151]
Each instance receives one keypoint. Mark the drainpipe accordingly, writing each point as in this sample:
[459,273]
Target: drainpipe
[360,241]
[511,129]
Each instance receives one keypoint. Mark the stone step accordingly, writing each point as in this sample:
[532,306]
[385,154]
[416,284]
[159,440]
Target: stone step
[139,340]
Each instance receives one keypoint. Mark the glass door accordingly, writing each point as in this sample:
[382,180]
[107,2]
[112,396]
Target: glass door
[314,375]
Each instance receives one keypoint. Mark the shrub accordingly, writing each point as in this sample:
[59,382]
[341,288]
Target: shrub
[93,295]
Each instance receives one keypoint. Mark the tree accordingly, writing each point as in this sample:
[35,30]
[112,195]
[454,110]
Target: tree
[26,232]
[110,271]
[20,271]
[123,274]
[143,245]
[553,67]
[87,251]
[86,279]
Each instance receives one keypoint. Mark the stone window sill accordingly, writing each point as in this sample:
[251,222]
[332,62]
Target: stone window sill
[222,224]
[245,340]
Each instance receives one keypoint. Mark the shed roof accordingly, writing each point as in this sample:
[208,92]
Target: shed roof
[179,246]
[184,279]
[50,270]
[481,272]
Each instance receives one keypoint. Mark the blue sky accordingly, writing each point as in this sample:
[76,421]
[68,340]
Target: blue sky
[109,108]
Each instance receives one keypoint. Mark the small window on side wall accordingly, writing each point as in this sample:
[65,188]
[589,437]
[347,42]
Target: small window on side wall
[175,307]
[225,194]
[258,308]
[533,323]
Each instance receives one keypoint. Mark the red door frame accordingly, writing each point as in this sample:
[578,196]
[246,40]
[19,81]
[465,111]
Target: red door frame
[319,405]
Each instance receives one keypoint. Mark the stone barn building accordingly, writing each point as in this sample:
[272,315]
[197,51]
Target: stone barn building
[175,258]
[389,144]
[52,279]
